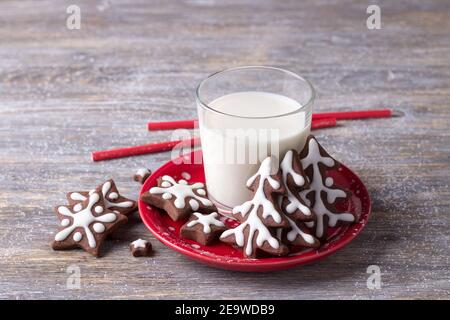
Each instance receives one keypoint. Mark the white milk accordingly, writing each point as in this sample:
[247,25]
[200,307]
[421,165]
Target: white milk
[226,177]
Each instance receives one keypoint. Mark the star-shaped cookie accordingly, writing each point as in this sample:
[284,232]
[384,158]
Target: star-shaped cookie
[203,228]
[86,224]
[178,199]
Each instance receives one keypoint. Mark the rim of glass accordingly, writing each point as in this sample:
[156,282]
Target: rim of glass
[290,73]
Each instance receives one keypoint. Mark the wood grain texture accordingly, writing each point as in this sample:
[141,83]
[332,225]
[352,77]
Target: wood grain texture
[64,93]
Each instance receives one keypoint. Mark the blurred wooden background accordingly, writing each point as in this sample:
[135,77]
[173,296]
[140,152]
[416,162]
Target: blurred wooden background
[64,93]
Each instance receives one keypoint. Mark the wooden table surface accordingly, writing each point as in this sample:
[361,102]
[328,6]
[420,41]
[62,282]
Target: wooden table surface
[64,93]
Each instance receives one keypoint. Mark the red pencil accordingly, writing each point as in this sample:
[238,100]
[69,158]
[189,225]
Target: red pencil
[340,115]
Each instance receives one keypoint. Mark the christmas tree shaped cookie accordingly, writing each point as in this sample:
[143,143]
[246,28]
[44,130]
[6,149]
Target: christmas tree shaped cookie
[322,193]
[257,214]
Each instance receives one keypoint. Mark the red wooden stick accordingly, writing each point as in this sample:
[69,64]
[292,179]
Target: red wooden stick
[144,149]
[347,115]
[341,115]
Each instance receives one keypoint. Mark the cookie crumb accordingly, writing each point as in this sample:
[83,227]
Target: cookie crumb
[141,248]
[142,175]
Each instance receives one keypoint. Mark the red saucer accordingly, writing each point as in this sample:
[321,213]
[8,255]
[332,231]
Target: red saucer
[226,257]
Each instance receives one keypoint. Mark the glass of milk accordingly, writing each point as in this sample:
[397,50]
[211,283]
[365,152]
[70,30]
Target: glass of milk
[246,114]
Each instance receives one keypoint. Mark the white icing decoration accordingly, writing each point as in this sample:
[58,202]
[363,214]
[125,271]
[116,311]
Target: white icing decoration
[77,207]
[98,209]
[65,222]
[250,209]
[83,219]
[99,227]
[206,220]
[181,191]
[313,158]
[77,236]
[113,196]
[139,243]
[194,204]
[105,189]
[77,196]
[296,231]
[329,182]
[186,175]
[201,192]
[167,196]
[287,169]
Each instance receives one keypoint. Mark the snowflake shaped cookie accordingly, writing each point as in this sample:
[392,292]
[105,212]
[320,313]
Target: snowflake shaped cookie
[203,228]
[322,193]
[111,196]
[86,224]
[178,199]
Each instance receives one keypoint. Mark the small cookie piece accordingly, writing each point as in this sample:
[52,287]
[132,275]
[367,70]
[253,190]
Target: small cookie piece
[253,234]
[141,248]
[322,193]
[295,180]
[86,224]
[178,199]
[203,228]
[142,175]
[113,199]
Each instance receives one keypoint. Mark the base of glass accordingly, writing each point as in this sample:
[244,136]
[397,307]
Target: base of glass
[222,209]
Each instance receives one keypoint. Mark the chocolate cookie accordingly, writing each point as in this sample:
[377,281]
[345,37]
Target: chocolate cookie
[178,199]
[254,234]
[86,224]
[203,228]
[267,186]
[113,199]
[322,193]
[141,248]
[295,180]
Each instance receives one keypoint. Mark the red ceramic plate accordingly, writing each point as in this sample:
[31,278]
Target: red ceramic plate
[227,257]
